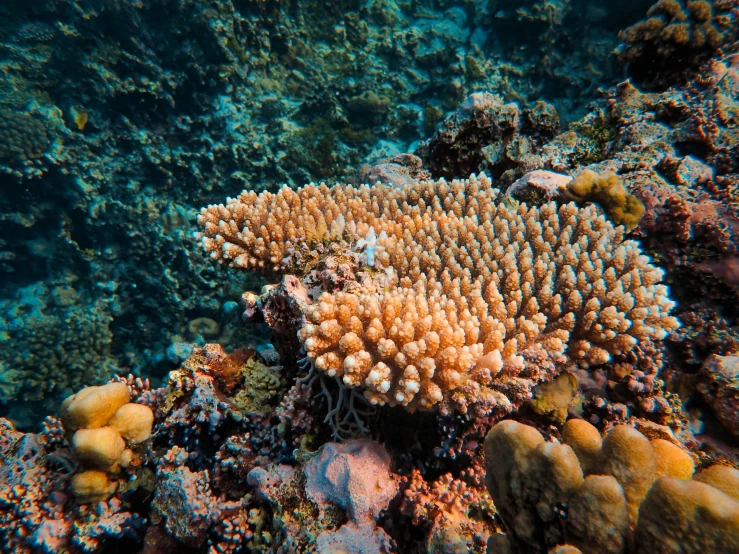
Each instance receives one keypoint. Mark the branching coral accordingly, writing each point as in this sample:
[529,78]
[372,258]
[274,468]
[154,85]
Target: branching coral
[444,507]
[475,300]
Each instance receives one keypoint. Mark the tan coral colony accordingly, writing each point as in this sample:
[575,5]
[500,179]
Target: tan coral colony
[472,290]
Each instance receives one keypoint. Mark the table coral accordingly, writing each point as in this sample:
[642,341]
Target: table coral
[274,89]
[451,317]
[676,151]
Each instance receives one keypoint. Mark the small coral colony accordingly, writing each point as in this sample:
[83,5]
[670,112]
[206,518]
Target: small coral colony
[512,330]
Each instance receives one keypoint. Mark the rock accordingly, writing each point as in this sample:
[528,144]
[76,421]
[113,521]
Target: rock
[691,172]
[537,187]
[354,475]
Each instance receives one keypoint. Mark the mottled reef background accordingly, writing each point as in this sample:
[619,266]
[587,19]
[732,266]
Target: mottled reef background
[118,119]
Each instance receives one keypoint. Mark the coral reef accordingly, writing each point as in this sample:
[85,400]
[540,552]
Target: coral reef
[117,120]
[676,152]
[720,389]
[106,434]
[355,405]
[36,510]
[53,342]
[445,507]
[486,134]
[217,477]
[23,137]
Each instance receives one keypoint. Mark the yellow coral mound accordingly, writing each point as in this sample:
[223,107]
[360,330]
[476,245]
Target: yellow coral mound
[621,494]
[92,486]
[98,419]
[93,407]
[474,290]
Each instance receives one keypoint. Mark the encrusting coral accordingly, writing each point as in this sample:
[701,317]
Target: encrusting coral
[623,493]
[463,299]
[606,190]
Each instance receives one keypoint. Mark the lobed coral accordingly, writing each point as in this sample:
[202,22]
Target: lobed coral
[472,296]
[98,419]
[617,494]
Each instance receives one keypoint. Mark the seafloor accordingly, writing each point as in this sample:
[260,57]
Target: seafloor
[520,336]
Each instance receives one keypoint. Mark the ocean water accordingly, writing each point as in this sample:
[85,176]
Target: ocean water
[122,121]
